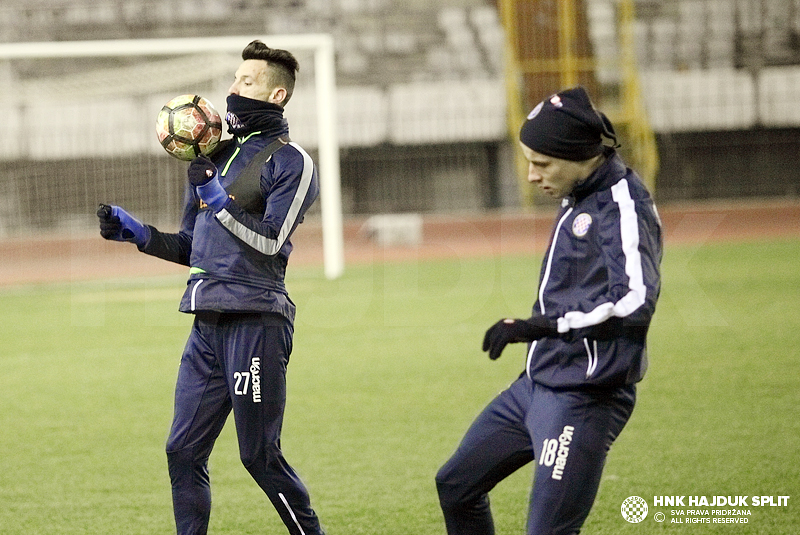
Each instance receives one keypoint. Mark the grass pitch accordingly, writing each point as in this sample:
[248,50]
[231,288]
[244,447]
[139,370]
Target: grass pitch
[385,377]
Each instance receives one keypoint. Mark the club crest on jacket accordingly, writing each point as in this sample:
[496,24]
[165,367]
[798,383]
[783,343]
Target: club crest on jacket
[581,224]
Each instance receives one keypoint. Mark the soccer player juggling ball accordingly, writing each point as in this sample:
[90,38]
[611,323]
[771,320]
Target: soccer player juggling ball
[598,288]
[241,206]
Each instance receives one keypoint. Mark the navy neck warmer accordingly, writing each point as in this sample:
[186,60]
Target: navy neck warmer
[247,115]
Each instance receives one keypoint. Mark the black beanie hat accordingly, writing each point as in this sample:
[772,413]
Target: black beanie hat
[567,126]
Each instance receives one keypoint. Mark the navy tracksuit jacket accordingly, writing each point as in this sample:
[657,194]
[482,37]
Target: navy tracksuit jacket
[599,283]
[238,258]
[241,339]
[601,268]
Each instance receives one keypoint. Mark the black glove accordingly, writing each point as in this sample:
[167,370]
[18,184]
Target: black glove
[117,224]
[204,177]
[201,171]
[509,331]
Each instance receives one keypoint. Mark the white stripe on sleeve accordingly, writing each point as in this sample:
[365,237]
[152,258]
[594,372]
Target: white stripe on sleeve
[637,291]
[629,229]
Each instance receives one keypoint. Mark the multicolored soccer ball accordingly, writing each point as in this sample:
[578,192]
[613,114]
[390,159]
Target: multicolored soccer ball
[188,126]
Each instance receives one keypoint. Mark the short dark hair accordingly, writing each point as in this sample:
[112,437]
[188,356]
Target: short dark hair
[281,65]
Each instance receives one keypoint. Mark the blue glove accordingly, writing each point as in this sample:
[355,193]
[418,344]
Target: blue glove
[118,225]
[203,175]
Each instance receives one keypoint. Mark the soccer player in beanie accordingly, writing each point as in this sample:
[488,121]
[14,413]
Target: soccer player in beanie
[241,206]
[598,288]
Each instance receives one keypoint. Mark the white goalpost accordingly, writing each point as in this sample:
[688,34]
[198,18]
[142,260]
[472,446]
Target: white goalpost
[324,100]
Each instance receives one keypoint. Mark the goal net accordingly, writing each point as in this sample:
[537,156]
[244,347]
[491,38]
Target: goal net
[80,128]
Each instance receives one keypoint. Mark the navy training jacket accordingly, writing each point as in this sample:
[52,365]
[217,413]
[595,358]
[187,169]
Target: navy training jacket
[599,282]
[238,256]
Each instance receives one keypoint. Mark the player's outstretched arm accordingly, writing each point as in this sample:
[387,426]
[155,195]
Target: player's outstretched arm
[509,331]
[118,225]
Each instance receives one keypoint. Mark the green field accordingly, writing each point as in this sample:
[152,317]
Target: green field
[386,375]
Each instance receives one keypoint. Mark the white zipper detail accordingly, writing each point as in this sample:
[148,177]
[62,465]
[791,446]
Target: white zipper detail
[592,358]
[550,260]
[544,283]
[530,357]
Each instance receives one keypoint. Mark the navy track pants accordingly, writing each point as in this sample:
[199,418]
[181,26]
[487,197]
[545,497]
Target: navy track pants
[568,432]
[234,362]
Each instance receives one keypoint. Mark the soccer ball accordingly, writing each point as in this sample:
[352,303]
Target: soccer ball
[188,126]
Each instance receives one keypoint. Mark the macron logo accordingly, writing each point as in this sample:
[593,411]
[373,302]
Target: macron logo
[555,452]
[255,374]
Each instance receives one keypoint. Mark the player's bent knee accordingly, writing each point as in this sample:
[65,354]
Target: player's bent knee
[443,485]
[180,456]
[186,457]
[450,481]
[451,496]
[178,443]
[261,459]
[447,474]
[441,476]
[450,499]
